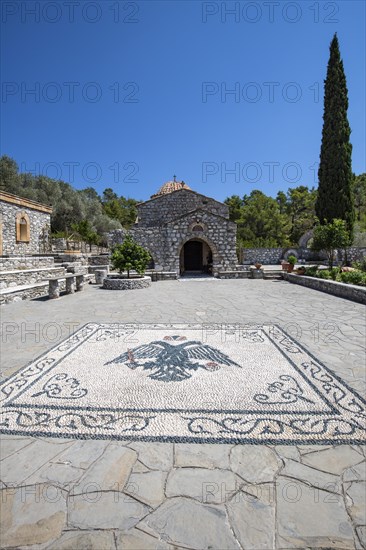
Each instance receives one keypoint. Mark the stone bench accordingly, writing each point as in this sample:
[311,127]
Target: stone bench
[21,277]
[71,280]
[23,292]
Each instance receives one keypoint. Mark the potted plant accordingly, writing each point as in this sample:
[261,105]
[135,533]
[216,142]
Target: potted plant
[292,261]
[301,270]
[258,265]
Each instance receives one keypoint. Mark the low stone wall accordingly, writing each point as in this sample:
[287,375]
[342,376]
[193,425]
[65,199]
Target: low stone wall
[116,283]
[60,244]
[25,262]
[81,259]
[273,256]
[262,255]
[342,290]
[268,256]
[354,254]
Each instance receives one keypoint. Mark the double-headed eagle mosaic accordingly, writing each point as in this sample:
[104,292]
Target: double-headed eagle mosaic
[174,362]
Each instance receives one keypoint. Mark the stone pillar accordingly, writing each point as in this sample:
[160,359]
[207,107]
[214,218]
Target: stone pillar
[54,288]
[100,275]
[79,282]
[70,285]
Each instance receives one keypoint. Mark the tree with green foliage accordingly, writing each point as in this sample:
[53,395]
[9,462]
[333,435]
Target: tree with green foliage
[109,195]
[301,206]
[261,222]
[235,204]
[90,194]
[9,179]
[331,236]
[335,197]
[68,204]
[130,256]
[282,202]
[122,209]
[359,193]
[85,232]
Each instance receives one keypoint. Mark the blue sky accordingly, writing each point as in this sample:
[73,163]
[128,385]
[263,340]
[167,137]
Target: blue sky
[126,94]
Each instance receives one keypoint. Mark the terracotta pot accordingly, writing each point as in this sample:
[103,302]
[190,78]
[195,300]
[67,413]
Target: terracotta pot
[301,271]
[258,265]
[290,268]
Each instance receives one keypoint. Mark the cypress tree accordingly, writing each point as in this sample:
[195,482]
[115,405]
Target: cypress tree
[335,196]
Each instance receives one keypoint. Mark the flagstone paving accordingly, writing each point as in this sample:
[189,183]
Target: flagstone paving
[67,494]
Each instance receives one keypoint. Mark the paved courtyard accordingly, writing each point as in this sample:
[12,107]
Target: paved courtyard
[63,493]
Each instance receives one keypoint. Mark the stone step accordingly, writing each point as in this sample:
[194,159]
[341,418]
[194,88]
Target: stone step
[162,275]
[273,274]
[274,277]
[20,277]
[244,274]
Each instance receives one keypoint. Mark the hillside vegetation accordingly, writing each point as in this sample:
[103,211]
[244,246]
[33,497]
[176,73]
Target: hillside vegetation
[263,221]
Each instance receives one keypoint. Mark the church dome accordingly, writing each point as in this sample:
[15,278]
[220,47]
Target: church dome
[169,187]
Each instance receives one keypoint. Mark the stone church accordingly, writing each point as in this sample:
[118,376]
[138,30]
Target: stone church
[185,231]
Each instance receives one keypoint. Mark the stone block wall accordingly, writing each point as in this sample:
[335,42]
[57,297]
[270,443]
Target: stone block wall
[169,207]
[354,254]
[20,277]
[38,222]
[262,255]
[273,256]
[25,262]
[102,259]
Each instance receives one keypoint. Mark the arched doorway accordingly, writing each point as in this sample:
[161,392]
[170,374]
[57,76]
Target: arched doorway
[196,257]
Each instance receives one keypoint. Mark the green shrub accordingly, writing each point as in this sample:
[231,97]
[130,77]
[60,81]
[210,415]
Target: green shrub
[361,265]
[334,273]
[311,271]
[323,274]
[353,278]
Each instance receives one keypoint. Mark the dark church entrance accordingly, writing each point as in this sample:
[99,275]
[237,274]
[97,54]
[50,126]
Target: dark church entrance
[193,256]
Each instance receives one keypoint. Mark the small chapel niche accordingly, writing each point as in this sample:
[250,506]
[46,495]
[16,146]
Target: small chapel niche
[197,228]
[22,228]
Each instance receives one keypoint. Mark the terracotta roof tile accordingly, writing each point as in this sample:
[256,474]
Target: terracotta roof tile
[169,187]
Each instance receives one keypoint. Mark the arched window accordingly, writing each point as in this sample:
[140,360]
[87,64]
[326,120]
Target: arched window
[22,227]
[197,228]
